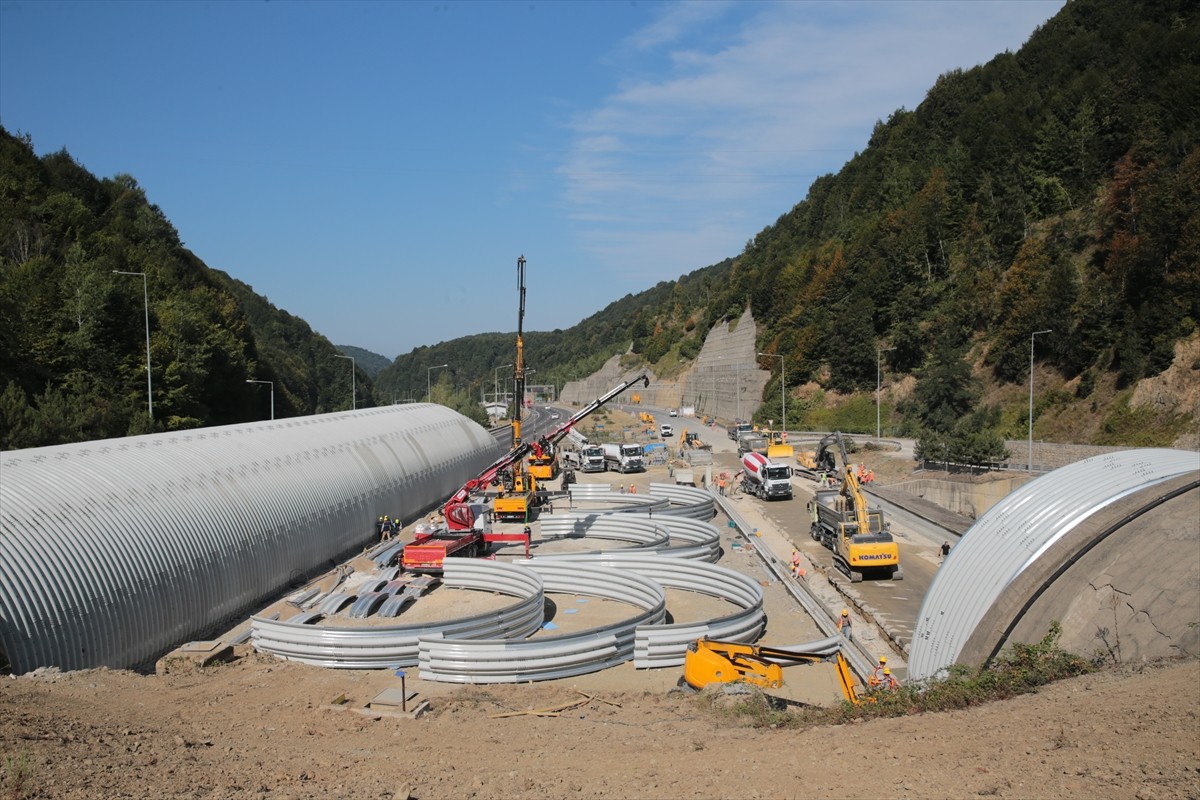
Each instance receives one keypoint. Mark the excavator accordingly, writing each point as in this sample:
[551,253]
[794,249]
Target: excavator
[710,661]
[841,520]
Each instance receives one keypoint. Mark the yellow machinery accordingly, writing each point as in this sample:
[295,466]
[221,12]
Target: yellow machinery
[777,447]
[544,466]
[841,520]
[518,498]
[708,661]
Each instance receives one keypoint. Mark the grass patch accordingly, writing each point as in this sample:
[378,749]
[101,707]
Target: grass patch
[1141,426]
[1020,669]
[17,777]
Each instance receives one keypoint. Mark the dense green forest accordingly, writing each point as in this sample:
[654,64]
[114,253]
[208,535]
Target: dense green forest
[1056,188]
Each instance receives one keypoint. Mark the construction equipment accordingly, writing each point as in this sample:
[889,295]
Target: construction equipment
[709,661]
[751,443]
[623,457]
[857,535]
[764,478]
[692,441]
[737,428]
[777,447]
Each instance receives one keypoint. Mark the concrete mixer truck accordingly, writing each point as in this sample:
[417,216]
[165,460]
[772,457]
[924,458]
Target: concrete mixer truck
[766,479]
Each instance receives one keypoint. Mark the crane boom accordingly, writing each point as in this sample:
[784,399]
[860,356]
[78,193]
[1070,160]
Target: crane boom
[456,510]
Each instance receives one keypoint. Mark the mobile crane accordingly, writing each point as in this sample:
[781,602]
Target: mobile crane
[467,531]
[857,535]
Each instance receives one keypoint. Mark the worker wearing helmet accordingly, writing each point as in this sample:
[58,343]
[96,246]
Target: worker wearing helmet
[845,626]
[888,681]
[877,674]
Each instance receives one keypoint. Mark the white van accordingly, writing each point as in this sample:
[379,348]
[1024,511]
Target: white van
[665,431]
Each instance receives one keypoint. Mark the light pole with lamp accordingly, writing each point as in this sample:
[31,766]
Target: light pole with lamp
[782,385]
[496,376]
[1029,466]
[353,382]
[878,356]
[428,382]
[146,299]
[272,385]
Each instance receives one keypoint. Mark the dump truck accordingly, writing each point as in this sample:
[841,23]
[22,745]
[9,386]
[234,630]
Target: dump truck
[766,480]
[751,443]
[736,429]
[857,535]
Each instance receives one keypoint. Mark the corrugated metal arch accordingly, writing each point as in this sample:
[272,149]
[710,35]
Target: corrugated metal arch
[112,552]
[1015,532]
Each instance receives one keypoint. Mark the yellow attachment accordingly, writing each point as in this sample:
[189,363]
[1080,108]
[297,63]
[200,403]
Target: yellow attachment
[708,661]
[726,662]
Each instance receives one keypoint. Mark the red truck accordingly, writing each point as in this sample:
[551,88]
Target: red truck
[433,545]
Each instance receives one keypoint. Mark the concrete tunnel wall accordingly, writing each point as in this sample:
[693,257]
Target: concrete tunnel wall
[112,552]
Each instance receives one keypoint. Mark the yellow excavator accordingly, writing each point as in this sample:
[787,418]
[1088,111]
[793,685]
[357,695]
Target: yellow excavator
[842,521]
[710,661]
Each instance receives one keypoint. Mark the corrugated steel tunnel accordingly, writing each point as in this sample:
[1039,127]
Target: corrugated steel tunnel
[1108,547]
[112,552]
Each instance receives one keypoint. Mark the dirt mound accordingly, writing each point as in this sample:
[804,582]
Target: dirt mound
[266,729]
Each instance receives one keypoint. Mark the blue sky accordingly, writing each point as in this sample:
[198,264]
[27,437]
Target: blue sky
[376,168]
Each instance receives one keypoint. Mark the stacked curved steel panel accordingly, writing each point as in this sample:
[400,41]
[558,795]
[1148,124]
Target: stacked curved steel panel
[1015,532]
[114,551]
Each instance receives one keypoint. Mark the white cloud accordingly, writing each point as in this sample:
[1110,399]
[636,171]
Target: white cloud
[675,169]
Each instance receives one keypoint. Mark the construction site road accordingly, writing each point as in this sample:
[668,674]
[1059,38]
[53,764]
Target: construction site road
[884,612]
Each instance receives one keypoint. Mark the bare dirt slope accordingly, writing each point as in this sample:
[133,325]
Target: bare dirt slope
[255,728]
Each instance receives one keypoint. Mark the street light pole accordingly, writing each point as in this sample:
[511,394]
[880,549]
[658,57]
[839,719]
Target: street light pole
[428,383]
[353,383]
[272,385]
[146,299]
[878,357]
[1029,466]
[782,385]
[496,381]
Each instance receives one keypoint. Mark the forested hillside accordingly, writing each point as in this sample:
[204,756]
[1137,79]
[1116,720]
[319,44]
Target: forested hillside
[73,333]
[1053,189]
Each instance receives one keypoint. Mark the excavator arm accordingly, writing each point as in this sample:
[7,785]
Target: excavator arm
[710,661]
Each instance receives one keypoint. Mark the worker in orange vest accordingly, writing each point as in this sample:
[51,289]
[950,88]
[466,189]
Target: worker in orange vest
[845,626]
